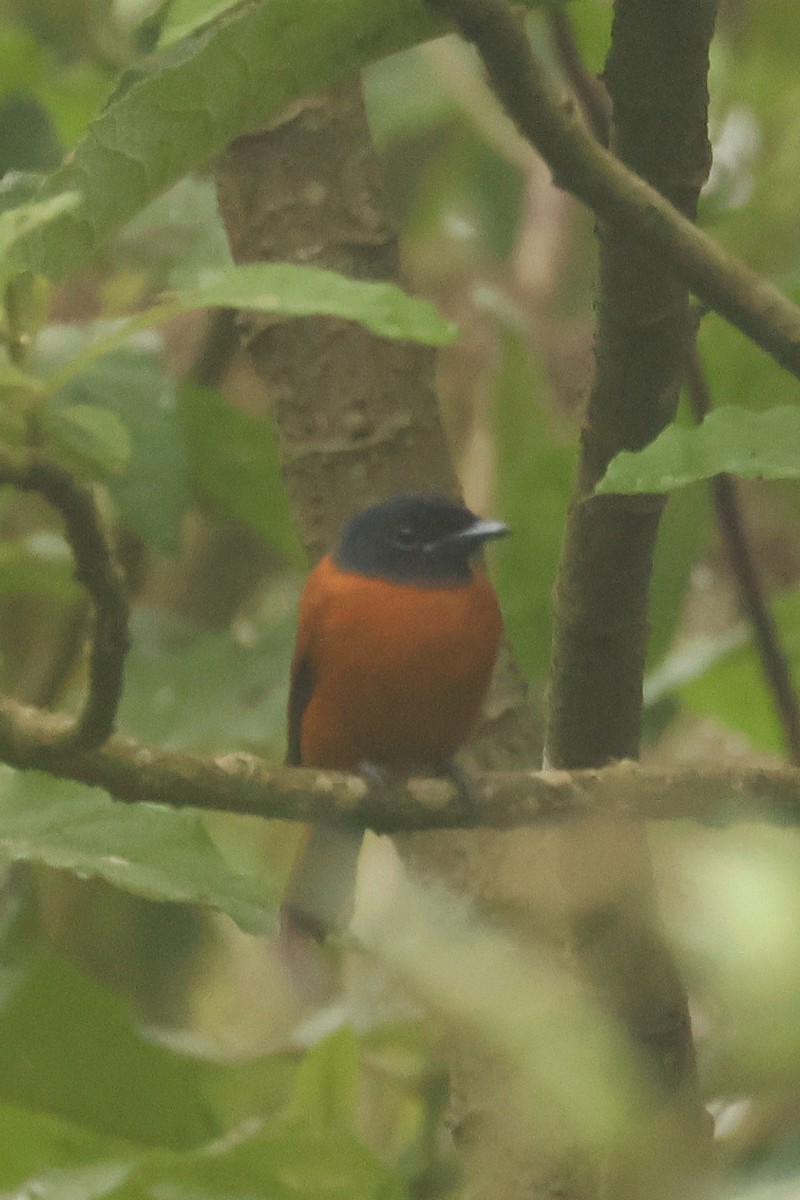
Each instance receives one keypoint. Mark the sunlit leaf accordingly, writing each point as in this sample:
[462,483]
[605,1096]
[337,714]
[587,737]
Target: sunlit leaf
[733,909]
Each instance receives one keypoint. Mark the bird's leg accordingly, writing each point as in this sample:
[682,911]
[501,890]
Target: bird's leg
[461,777]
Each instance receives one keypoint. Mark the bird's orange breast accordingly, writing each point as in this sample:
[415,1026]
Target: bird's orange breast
[400,672]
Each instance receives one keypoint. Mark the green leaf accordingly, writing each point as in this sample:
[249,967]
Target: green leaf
[722,677]
[683,534]
[255,1162]
[34,1143]
[282,1164]
[283,288]
[734,694]
[19,189]
[268,287]
[327,1084]
[591,23]
[68,1050]
[153,495]
[69,91]
[40,567]
[177,238]
[185,16]
[92,440]
[533,490]
[763,445]
[195,98]
[93,1110]
[188,688]
[28,302]
[738,372]
[405,97]
[20,394]
[297,291]
[156,852]
[50,1154]
[28,140]
[262,1085]
[32,218]
[733,689]
[234,464]
[130,382]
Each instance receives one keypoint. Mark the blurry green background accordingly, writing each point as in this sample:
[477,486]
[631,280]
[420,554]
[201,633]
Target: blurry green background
[354,1094]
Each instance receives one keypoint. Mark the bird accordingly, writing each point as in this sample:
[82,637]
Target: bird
[397,637]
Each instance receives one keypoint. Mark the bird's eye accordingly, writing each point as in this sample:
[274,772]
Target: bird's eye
[405,538]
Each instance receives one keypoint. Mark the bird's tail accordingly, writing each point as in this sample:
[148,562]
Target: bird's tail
[317,902]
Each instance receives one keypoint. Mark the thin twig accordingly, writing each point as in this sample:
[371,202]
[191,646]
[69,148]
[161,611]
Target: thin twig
[583,167]
[590,91]
[727,506]
[97,570]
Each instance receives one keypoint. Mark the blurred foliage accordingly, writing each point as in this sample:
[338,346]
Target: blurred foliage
[185,16]
[106,256]
[234,463]
[69,1048]
[201,689]
[732,689]
[531,488]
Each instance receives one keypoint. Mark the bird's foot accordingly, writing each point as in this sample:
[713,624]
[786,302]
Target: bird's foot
[461,777]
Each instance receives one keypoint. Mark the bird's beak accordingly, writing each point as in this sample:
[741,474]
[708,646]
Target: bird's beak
[484,531]
[476,534]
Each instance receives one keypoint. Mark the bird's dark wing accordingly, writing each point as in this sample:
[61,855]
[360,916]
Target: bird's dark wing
[300,692]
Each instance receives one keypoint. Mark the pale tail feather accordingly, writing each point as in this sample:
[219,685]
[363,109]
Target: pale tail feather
[318,901]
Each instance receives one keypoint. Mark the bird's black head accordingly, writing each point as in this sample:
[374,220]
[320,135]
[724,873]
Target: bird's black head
[415,539]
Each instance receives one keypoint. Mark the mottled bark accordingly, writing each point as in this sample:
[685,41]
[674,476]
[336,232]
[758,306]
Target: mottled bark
[358,420]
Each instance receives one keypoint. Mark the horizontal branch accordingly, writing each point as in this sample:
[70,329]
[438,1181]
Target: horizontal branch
[131,771]
[580,165]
